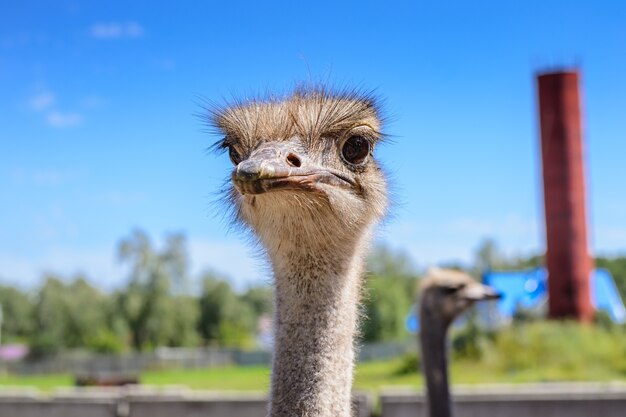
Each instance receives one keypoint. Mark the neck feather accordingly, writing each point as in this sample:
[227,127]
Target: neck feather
[316,319]
[434,362]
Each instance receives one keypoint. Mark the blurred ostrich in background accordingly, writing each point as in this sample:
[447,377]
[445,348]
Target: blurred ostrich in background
[445,295]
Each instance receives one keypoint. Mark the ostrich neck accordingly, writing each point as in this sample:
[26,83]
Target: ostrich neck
[434,362]
[317,292]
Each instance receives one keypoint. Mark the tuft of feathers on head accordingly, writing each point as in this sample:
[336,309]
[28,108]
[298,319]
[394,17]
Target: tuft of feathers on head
[308,111]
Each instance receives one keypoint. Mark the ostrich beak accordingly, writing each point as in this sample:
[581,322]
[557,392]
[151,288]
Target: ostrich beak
[478,292]
[279,166]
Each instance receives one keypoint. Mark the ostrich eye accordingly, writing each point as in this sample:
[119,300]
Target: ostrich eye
[235,157]
[355,150]
[453,289]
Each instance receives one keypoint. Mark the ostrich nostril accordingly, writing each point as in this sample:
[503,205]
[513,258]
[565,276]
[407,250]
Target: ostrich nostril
[293,160]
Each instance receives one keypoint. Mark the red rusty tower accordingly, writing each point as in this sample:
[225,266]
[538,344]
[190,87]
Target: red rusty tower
[567,258]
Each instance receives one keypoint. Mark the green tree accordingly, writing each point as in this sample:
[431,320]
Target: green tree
[115,337]
[389,293]
[260,299]
[67,315]
[185,312]
[225,319]
[85,309]
[49,318]
[146,302]
[17,315]
[387,305]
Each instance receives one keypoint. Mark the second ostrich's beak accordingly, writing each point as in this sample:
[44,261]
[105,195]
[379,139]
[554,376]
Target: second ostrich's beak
[477,292]
[280,166]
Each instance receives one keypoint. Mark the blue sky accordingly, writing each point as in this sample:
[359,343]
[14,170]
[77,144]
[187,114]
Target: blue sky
[98,134]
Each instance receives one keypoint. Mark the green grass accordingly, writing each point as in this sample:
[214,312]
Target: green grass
[231,378]
[371,376]
[43,382]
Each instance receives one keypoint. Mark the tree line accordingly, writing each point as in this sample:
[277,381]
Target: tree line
[159,306]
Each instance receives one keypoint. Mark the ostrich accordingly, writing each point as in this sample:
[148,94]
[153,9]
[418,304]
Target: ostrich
[306,184]
[445,294]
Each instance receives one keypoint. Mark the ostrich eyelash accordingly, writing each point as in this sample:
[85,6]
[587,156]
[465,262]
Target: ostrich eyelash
[223,144]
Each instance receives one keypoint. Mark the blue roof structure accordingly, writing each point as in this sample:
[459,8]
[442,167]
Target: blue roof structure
[528,289]
[520,289]
[605,296]
[411,323]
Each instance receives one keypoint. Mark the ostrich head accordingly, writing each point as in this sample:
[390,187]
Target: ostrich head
[448,293]
[304,175]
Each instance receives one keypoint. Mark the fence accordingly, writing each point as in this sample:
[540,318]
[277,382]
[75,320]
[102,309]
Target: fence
[545,400]
[80,364]
[140,403]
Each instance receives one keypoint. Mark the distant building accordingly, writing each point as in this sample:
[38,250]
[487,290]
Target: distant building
[265,332]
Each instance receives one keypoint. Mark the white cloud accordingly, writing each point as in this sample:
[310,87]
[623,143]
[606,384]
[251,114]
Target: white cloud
[38,177]
[116,30]
[118,198]
[45,102]
[52,223]
[64,119]
[48,177]
[41,101]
